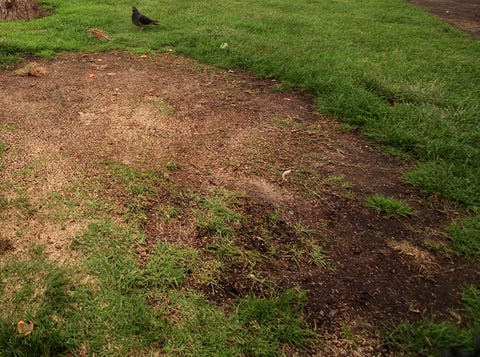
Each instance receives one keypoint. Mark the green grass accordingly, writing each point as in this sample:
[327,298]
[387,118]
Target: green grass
[142,188]
[110,304]
[307,249]
[168,212]
[216,216]
[372,64]
[76,204]
[257,327]
[346,128]
[465,236]
[164,107]
[3,148]
[390,207]
[36,290]
[21,205]
[405,78]
[138,183]
[430,337]
[112,299]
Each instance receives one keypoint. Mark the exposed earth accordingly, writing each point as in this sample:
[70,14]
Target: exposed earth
[464,14]
[229,130]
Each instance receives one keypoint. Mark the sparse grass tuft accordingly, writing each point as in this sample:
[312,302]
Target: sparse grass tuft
[3,148]
[169,266]
[318,256]
[215,215]
[140,184]
[307,249]
[73,205]
[168,212]
[390,207]
[171,166]
[346,128]
[21,205]
[164,107]
[279,88]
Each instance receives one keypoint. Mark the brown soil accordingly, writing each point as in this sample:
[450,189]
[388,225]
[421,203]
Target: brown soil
[21,10]
[229,130]
[464,14]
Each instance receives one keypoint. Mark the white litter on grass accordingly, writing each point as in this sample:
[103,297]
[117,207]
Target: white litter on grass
[284,175]
[224,45]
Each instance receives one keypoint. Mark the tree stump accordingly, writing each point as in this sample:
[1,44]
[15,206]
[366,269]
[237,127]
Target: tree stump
[20,10]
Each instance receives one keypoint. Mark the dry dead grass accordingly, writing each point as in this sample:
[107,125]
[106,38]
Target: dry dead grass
[421,259]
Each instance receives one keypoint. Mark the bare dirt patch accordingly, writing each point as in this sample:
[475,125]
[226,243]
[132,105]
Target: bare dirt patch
[464,14]
[230,130]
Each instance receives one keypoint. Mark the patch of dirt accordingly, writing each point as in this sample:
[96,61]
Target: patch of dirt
[464,14]
[5,245]
[21,10]
[230,130]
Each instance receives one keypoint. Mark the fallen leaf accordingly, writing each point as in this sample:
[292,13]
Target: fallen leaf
[25,328]
[285,173]
[100,67]
[32,69]
[37,71]
[456,315]
[101,35]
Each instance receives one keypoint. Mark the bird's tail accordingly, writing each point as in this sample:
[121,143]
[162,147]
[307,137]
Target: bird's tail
[154,22]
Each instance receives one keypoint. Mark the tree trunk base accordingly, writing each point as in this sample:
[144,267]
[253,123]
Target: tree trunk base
[20,10]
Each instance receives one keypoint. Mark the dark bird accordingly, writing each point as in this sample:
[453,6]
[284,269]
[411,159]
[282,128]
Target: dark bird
[141,20]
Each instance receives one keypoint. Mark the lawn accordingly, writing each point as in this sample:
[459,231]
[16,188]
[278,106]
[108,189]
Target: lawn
[397,75]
